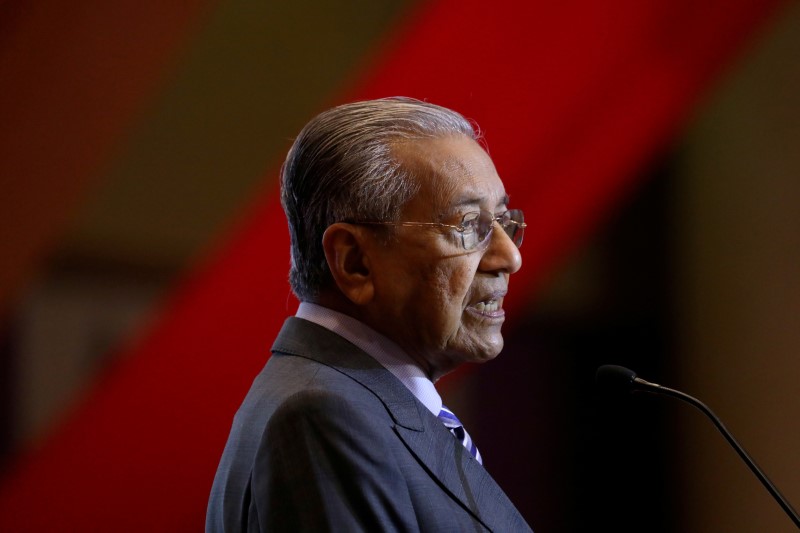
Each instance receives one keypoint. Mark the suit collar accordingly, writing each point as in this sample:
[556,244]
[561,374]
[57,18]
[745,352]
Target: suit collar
[422,433]
[306,339]
[387,352]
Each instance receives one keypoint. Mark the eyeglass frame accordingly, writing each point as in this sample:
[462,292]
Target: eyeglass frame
[461,228]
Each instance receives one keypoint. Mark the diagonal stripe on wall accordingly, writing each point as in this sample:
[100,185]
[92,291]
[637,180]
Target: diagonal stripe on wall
[573,97]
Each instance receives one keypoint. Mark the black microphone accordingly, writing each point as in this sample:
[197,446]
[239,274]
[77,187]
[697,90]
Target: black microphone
[615,378]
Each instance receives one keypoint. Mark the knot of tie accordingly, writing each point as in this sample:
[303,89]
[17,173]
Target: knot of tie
[452,423]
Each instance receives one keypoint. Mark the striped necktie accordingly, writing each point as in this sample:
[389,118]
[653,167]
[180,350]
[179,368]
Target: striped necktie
[452,423]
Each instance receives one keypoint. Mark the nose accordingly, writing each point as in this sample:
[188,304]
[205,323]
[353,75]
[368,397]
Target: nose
[501,254]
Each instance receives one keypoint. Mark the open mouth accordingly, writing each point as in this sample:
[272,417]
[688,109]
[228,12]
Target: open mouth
[488,306]
[491,308]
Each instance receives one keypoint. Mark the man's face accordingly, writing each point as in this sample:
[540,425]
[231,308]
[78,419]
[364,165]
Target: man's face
[441,303]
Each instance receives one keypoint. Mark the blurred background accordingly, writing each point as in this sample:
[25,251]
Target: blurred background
[143,254]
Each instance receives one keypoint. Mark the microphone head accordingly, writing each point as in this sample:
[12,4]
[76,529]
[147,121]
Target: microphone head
[615,379]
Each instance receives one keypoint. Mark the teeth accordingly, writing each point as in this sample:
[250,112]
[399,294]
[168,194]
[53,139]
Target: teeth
[486,307]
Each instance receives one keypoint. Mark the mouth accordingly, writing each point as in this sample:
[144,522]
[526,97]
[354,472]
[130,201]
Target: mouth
[491,307]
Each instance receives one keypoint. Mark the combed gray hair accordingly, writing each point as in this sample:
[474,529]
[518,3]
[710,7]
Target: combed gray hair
[342,167]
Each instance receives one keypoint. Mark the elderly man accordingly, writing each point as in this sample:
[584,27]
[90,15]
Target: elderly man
[402,248]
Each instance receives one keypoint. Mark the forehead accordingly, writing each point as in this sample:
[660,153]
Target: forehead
[452,172]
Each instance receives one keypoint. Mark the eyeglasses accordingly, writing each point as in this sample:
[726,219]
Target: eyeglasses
[475,227]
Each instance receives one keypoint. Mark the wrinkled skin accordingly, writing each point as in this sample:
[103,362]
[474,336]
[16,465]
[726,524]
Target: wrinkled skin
[431,295]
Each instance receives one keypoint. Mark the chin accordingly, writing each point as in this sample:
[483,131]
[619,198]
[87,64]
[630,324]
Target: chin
[495,346]
[473,349]
[488,352]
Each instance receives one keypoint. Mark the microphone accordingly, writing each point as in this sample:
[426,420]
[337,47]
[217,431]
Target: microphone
[613,378]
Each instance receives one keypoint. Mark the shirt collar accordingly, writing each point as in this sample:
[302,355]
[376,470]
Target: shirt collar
[380,348]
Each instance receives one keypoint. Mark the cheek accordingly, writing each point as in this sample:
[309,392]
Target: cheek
[439,295]
[455,283]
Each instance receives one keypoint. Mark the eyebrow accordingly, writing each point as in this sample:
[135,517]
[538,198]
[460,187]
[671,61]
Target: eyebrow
[471,200]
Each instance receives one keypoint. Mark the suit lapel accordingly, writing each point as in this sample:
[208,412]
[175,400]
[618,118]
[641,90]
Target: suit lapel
[462,476]
[422,433]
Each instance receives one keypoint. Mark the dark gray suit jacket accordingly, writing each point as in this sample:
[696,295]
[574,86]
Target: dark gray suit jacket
[329,440]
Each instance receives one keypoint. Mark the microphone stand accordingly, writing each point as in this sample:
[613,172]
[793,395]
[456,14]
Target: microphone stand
[654,388]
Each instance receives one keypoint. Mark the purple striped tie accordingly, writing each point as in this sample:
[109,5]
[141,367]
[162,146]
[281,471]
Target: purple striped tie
[452,423]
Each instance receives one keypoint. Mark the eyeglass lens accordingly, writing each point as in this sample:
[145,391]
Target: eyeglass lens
[511,221]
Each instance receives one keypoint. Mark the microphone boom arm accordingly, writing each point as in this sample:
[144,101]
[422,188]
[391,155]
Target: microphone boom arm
[654,388]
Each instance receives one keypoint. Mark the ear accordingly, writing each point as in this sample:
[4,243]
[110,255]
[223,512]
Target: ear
[345,252]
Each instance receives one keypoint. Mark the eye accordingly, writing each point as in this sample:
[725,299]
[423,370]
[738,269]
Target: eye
[504,218]
[470,223]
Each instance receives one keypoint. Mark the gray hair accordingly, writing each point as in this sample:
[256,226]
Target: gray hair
[342,167]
